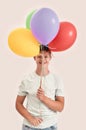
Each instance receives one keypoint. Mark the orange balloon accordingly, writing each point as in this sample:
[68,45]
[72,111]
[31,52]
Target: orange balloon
[22,42]
[65,37]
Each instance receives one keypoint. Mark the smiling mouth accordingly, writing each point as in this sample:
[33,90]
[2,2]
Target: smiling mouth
[42,63]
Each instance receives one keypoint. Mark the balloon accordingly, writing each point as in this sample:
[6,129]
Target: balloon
[28,19]
[45,25]
[65,37]
[22,42]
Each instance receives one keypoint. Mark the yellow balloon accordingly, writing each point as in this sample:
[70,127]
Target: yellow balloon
[22,42]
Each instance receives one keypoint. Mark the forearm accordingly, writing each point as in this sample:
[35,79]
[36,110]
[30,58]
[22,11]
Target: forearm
[52,104]
[23,111]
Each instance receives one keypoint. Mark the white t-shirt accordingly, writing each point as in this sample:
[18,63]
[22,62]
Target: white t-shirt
[52,86]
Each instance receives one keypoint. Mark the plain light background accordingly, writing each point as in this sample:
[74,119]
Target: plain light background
[69,64]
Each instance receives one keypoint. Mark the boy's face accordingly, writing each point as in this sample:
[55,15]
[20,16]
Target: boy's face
[43,58]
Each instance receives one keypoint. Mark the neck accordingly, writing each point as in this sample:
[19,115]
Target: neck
[42,72]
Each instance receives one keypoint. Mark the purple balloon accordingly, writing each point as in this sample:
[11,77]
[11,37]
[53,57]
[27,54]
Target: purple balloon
[45,25]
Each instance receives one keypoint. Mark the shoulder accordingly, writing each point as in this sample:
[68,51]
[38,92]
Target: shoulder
[56,76]
[27,79]
[58,80]
[29,76]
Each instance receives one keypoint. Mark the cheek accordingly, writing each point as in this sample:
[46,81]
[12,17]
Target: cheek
[48,59]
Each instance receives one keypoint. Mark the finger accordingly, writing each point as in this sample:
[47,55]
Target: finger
[39,95]
[40,91]
[38,121]
[40,86]
[35,123]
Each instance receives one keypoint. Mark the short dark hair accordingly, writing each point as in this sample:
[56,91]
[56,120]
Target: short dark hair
[45,48]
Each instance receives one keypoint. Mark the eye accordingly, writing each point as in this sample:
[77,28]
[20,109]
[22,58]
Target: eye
[40,57]
[46,56]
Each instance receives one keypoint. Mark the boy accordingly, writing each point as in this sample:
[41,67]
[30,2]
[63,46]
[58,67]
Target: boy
[45,96]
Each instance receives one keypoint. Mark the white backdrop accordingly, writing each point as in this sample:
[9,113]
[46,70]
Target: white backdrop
[69,64]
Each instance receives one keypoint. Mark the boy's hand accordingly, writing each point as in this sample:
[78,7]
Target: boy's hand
[40,94]
[35,120]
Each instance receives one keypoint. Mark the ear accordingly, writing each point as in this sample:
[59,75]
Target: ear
[50,58]
[34,58]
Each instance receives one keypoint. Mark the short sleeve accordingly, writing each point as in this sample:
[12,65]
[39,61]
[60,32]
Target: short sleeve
[59,87]
[22,89]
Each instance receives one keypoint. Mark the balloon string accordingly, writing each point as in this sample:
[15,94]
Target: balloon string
[51,48]
[42,68]
[42,72]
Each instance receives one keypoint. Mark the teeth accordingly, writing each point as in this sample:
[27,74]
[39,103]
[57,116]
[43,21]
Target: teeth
[41,63]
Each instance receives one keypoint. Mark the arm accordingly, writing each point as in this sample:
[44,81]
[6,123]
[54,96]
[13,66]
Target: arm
[23,111]
[20,107]
[56,105]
